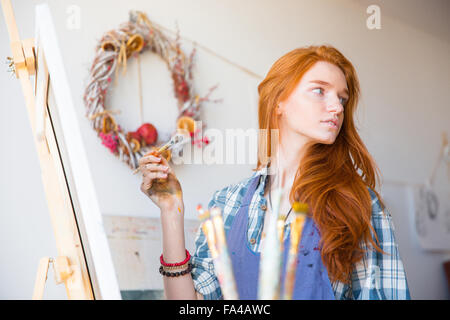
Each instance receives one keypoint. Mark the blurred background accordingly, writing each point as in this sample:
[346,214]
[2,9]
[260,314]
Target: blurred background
[402,59]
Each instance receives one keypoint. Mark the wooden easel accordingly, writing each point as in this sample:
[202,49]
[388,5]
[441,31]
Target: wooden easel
[70,266]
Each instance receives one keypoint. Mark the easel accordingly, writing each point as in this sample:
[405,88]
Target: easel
[70,265]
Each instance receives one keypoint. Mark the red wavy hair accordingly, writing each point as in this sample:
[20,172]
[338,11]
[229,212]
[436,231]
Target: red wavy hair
[327,178]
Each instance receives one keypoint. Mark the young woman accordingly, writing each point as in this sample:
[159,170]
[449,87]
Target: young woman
[348,248]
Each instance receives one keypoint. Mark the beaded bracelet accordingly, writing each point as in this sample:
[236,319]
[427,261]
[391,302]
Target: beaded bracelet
[188,257]
[182,267]
[175,274]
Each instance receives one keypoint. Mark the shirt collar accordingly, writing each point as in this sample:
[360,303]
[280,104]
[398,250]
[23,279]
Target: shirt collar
[262,173]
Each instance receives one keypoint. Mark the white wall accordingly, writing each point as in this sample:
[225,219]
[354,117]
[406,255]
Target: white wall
[403,68]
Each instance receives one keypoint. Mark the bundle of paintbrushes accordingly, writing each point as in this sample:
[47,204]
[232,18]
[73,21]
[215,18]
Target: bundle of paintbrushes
[212,226]
[300,210]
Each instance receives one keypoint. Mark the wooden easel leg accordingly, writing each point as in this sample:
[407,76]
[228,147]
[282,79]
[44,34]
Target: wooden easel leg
[41,277]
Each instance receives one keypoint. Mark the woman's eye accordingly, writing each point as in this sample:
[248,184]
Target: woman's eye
[320,89]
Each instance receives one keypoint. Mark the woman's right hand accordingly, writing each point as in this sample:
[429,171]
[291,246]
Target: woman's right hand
[160,184]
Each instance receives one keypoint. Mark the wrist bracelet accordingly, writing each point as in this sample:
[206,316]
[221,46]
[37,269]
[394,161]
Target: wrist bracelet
[175,274]
[182,267]
[188,257]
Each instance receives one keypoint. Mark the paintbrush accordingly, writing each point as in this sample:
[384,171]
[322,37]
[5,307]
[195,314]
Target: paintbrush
[300,210]
[208,230]
[176,139]
[280,228]
[223,272]
[270,266]
[224,266]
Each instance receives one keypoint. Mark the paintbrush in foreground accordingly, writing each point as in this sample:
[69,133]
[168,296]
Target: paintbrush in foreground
[280,228]
[222,266]
[300,210]
[270,266]
[225,273]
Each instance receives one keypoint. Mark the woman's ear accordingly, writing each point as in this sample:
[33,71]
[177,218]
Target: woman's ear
[279,111]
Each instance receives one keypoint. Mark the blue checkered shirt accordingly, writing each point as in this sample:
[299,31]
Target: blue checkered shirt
[376,277]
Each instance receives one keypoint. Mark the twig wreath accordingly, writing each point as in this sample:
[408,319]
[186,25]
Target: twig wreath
[132,38]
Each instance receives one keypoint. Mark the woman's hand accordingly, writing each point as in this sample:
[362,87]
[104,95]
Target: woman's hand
[160,184]
[162,187]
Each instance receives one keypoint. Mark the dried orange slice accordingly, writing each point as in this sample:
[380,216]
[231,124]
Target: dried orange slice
[186,123]
[135,44]
[136,144]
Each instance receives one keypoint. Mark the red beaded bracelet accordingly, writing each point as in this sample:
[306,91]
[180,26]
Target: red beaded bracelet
[188,257]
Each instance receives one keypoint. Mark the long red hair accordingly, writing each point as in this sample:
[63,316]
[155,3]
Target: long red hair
[327,178]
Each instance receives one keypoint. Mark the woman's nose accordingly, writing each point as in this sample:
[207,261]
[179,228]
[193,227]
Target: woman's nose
[335,105]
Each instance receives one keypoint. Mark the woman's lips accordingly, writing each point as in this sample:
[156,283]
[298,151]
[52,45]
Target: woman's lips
[330,124]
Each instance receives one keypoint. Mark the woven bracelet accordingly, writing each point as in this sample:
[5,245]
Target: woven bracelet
[175,274]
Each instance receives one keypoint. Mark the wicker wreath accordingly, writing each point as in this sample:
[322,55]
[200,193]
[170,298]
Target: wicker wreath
[132,38]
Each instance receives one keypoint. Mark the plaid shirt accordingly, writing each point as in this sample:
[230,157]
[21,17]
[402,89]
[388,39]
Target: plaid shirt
[375,277]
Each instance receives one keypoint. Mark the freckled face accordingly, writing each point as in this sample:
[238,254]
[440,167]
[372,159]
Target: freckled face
[320,95]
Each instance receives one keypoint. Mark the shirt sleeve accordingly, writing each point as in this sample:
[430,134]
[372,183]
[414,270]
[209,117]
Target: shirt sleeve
[205,280]
[380,276]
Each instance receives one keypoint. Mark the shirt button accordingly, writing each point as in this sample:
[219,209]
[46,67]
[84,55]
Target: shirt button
[264,207]
[252,240]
